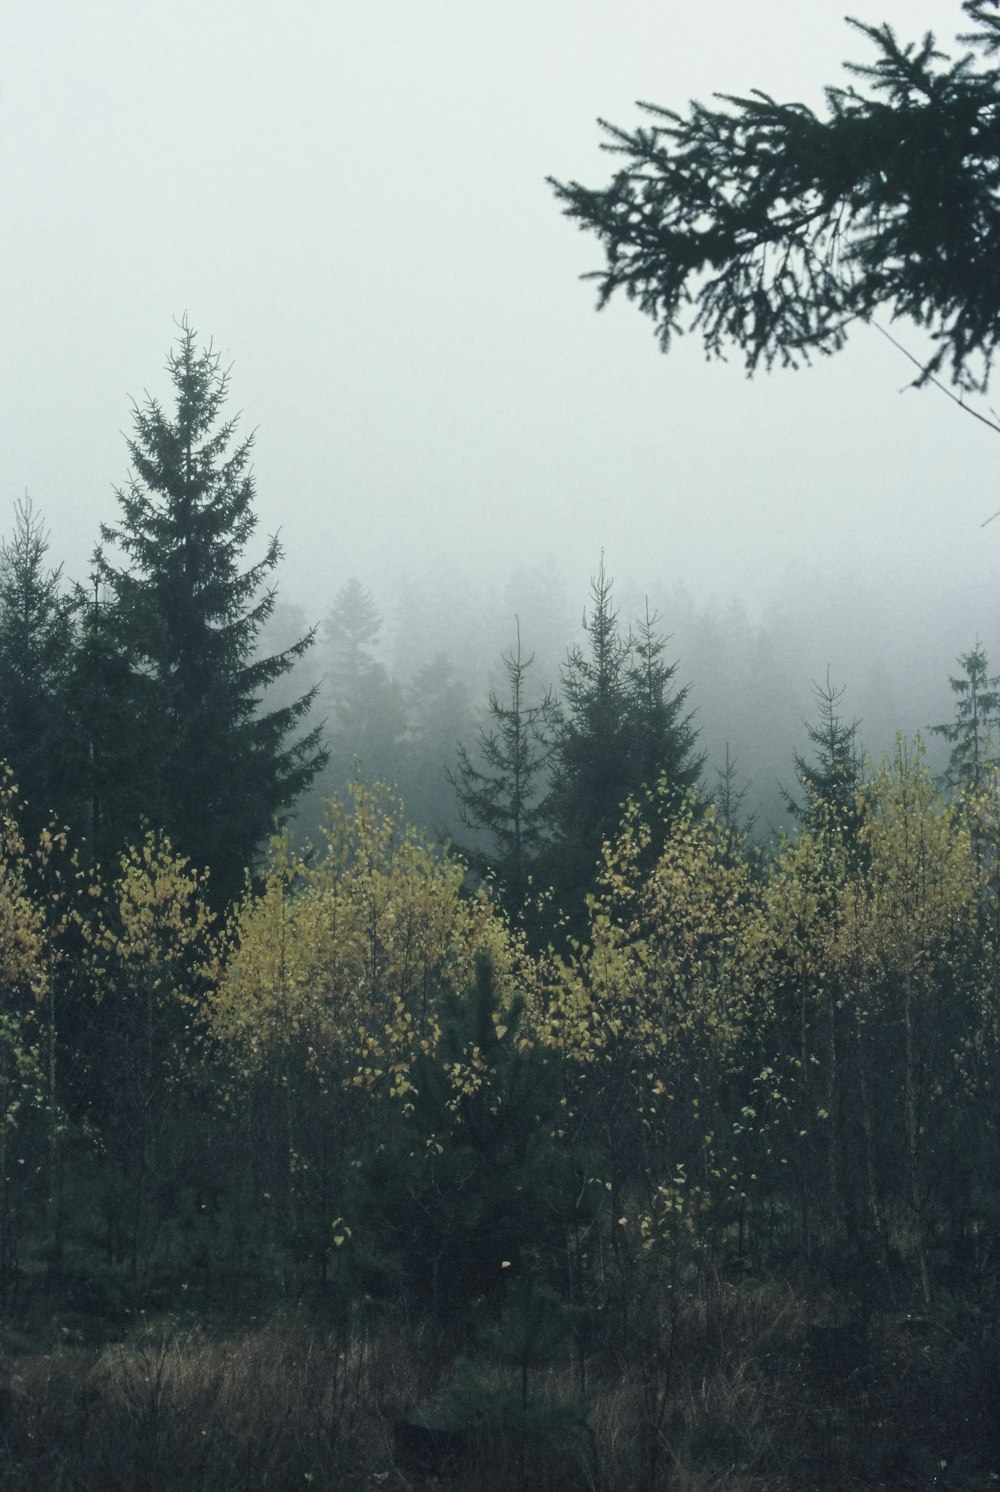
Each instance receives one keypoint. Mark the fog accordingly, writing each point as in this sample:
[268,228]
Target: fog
[349,200]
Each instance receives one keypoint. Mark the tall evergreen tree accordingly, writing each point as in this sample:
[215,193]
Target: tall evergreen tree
[663,736]
[506,796]
[352,628]
[621,730]
[591,778]
[36,648]
[977,707]
[830,781]
[222,766]
[728,799]
[117,725]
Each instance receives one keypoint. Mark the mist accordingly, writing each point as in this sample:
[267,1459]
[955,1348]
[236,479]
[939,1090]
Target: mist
[350,203]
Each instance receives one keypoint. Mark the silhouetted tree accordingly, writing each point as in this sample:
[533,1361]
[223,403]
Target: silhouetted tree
[728,799]
[506,797]
[977,706]
[663,737]
[779,227]
[117,728]
[471,1192]
[620,731]
[226,765]
[830,781]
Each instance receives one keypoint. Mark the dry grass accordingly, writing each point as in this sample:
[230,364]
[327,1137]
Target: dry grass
[281,1407]
[288,1404]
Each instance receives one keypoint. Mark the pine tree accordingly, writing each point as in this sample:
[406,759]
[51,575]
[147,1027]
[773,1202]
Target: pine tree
[621,731]
[591,779]
[728,799]
[36,648]
[224,765]
[506,798]
[117,730]
[471,1192]
[829,782]
[663,737]
[973,749]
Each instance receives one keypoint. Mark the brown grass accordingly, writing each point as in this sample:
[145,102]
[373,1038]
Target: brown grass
[291,1404]
[281,1407]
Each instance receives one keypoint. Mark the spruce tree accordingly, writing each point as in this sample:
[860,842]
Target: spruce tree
[506,797]
[830,782]
[765,226]
[591,779]
[352,628]
[117,730]
[36,650]
[728,800]
[977,707]
[621,731]
[222,767]
[469,1191]
[663,736]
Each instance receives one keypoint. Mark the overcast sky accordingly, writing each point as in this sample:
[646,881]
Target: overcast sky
[348,197]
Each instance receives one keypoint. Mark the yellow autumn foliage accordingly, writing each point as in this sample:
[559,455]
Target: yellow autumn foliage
[665,959]
[23,975]
[850,918]
[347,949]
[148,931]
[22,927]
[803,909]
[917,888]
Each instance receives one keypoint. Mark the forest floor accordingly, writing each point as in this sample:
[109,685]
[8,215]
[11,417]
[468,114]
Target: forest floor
[751,1386]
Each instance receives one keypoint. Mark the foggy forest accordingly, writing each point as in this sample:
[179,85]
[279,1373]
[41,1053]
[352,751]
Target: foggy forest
[523,1026]
[513,1036]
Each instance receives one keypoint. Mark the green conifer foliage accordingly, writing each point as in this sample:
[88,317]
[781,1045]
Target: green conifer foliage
[36,645]
[728,797]
[506,796]
[830,782]
[663,736]
[771,228]
[472,1191]
[591,777]
[226,765]
[621,732]
[977,707]
[117,724]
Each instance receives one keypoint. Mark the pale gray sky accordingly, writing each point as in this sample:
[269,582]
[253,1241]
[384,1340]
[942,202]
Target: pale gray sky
[348,196]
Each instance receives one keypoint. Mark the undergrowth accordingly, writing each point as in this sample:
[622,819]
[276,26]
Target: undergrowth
[762,1387]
